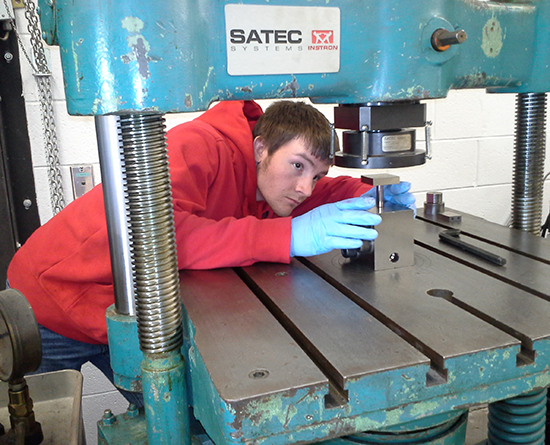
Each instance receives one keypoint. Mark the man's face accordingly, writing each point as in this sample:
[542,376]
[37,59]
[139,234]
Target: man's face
[288,177]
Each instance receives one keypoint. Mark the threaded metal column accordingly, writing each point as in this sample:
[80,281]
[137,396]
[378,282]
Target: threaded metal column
[153,238]
[155,262]
[529,155]
[518,420]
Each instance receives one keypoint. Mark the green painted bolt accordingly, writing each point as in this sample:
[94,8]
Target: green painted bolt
[132,411]
[108,417]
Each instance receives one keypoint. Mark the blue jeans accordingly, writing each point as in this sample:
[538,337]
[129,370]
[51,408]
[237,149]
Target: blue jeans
[59,352]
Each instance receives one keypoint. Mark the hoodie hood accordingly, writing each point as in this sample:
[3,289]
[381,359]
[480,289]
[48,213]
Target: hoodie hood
[234,120]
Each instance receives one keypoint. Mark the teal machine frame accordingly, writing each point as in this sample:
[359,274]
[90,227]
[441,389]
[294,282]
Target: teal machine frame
[129,62]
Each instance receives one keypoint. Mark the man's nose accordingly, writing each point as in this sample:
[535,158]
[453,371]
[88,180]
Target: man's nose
[305,186]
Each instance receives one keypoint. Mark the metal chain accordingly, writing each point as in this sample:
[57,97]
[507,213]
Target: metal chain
[42,75]
[50,141]
[35,32]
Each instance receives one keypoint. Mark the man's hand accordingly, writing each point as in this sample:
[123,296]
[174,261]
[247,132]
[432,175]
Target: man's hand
[396,194]
[333,226]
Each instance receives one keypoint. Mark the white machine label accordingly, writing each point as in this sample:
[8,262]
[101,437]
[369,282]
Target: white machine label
[264,39]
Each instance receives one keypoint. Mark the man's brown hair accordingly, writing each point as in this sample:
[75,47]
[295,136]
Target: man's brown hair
[285,120]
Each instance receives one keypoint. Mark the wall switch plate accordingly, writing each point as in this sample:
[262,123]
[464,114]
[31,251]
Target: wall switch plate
[83,179]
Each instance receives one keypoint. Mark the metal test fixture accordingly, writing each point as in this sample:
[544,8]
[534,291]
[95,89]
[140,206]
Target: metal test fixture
[329,350]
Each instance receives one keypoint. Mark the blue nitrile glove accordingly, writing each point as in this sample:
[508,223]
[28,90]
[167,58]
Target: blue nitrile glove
[396,194]
[333,226]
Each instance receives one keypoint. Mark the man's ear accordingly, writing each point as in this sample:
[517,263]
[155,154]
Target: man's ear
[260,149]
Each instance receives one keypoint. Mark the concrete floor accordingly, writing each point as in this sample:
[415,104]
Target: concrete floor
[476,431]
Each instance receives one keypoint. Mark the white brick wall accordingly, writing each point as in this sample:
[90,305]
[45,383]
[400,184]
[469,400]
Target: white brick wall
[472,165]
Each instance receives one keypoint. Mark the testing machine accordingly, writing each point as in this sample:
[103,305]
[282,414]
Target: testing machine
[329,348]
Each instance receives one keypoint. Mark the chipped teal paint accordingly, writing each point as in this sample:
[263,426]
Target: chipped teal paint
[215,414]
[425,408]
[329,424]
[138,44]
[489,366]
[75,58]
[374,421]
[542,381]
[279,412]
[263,411]
[165,397]
[126,429]
[425,422]
[153,66]
[392,416]
[134,26]
[291,412]
[393,388]
[210,70]
[491,43]
[124,348]
[188,101]
[161,376]
[95,106]
[386,389]
[377,401]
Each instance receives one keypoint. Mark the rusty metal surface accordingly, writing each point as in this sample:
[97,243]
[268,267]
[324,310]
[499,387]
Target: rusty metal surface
[518,300]
[350,349]
[515,240]
[401,297]
[347,341]
[239,340]
[362,322]
[520,271]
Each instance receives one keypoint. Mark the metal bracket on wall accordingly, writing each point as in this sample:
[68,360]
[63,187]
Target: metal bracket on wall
[17,4]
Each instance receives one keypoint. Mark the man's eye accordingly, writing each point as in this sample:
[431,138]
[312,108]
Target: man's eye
[298,165]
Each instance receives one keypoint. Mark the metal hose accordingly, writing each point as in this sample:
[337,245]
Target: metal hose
[529,156]
[153,240]
[518,420]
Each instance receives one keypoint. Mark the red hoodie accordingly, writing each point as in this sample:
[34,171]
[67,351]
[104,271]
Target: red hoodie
[64,268]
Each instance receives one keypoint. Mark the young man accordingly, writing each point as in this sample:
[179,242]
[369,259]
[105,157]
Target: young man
[246,186]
